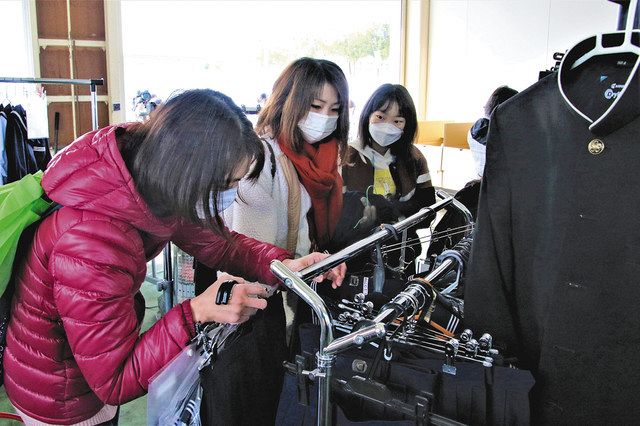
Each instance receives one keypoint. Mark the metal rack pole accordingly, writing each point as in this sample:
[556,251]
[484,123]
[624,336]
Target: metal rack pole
[358,247]
[93,82]
[94,107]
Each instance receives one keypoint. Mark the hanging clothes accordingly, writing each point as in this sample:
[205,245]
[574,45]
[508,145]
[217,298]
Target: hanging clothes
[3,152]
[554,268]
[24,155]
[477,395]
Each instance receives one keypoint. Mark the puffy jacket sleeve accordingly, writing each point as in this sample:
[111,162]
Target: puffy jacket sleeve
[424,194]
[97,267]
[239,255]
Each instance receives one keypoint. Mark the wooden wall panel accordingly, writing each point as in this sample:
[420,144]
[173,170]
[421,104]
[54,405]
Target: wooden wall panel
[90,62]
[52,19]
[83,111]
[54,63]
[65,135]
[87,19]
[85,23]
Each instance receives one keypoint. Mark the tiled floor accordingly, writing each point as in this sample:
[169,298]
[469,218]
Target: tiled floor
[133,413]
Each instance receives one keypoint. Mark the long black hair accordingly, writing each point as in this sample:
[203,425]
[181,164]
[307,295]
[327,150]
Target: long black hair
[188,152]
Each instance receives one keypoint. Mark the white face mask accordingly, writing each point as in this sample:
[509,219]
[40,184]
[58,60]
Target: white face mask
[384,134]
[479,153]
[316,127]
[225,199]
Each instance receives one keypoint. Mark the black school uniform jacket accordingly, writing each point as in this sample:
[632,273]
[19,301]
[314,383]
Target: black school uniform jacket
[555,268]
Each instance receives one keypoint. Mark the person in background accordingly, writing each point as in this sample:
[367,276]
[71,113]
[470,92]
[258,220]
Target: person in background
[469,194]
[477,136]
[144,103]
[295,203]
[73,351]
[353,124]
[262,99]
[384,160]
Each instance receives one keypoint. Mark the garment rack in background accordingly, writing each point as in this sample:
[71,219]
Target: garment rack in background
[93,82]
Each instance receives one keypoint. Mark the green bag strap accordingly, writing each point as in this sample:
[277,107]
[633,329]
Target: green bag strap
[21,204]
[28,190]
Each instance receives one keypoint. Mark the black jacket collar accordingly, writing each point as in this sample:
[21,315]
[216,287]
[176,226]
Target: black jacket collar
[624,109]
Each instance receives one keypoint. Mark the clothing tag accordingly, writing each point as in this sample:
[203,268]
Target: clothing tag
[383,183]
[365,285]
[37,119]
[625,64]
[613,91]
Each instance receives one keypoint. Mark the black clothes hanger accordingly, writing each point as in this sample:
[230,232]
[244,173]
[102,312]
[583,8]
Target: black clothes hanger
[622,15]
[615,43]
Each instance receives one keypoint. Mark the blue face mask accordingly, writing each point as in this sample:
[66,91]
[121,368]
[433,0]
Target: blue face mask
[226,198]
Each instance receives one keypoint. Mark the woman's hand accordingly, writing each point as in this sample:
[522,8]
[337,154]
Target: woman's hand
[335,274]
[246,298]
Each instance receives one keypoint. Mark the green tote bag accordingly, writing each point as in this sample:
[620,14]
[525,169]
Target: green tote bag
[21,204]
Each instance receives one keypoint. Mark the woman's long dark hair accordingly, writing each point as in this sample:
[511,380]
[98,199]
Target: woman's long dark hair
[291,98]
[381,100]
[188,152]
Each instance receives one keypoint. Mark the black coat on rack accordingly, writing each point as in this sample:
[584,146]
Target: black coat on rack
[24,155]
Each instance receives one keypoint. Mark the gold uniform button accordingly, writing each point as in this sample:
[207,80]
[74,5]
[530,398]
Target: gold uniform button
[596,147]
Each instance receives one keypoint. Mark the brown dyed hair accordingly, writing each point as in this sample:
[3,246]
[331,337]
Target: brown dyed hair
[188,152]
[290,101]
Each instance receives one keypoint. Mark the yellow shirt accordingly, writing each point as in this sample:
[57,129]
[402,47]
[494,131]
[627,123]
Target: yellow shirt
[383,183]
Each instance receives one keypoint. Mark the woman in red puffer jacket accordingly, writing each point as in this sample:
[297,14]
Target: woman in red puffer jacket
[74,352]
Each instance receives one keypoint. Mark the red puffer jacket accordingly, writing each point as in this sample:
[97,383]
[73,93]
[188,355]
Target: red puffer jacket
[73,342]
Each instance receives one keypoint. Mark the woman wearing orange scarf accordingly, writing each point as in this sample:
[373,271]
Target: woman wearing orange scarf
[294,204]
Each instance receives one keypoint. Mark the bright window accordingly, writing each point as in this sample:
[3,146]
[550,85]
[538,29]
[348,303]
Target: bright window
[240,47]
[478,45]
[16,51]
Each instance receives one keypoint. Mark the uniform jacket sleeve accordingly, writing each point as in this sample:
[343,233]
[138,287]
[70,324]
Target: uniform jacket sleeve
[489,291]
[424,192]
[239,255]
[97,267]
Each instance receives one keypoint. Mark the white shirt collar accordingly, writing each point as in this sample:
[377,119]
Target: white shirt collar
[378,160]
